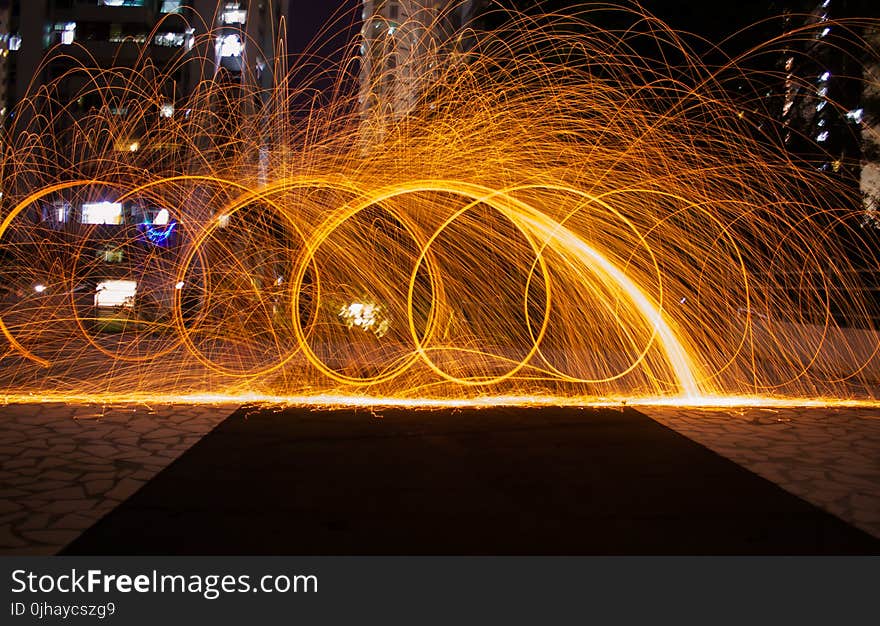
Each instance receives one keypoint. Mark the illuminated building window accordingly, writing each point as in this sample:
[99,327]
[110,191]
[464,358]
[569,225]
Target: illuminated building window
[856,115]
[14,42]
[62,212]
[114,293]
[120,3]
[824,76]
[161,218]
[118,37]
[118,34]
[169,40]
[166,110]
[64,33]
[229,45]
[171,6]
[367,316]
[111,255]
[787,107]
[823,91]
[102,213]
[820,123]
[190,38]
[824,32]
[823,136]
[820,106]
[233,14]
[58,212]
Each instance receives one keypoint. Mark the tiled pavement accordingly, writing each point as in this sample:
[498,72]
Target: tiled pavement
[829,457]
[64,467]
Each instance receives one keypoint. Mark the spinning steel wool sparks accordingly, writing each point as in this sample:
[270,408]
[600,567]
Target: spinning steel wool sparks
[573,226]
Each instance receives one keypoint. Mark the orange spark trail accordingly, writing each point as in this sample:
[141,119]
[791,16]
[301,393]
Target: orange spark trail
[584,226]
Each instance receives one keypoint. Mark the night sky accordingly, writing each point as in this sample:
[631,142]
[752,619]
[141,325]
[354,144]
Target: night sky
[308,17]
[712,19]
[327,30]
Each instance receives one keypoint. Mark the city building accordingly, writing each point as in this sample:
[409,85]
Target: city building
[130,68]
[869,180]
[46,38]
[811,90]
[9,43]
[403,43]
[820,107]
[827,103]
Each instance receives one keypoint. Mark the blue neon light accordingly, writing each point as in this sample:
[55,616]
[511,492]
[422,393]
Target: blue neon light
[159,235]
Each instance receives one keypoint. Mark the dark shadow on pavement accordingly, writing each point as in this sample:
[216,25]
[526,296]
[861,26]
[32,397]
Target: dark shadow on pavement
[493,481]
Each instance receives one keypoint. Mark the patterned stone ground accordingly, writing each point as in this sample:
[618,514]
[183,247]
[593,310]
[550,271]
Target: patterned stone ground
[64,467]
[829,457]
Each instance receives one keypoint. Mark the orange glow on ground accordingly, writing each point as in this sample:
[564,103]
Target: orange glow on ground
[329,402]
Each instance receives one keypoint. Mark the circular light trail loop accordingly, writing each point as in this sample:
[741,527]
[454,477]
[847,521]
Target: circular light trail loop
[544,217]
